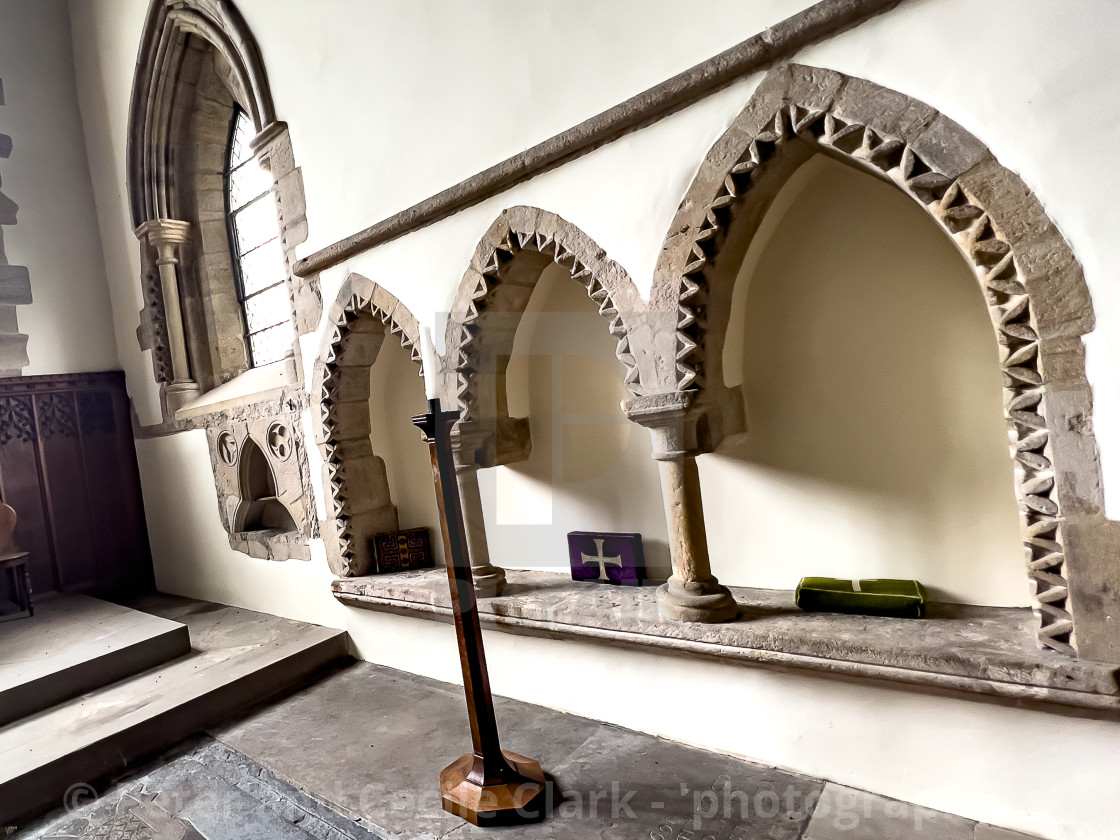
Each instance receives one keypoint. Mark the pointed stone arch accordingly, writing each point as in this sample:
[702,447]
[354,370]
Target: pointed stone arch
[491,300]
[163,45]
[1031,280]
[359,503]
[260,508]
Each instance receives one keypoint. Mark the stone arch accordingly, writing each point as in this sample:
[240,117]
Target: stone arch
[163,45]
[260,508]
[488,306]
[1033,285]
[359,503]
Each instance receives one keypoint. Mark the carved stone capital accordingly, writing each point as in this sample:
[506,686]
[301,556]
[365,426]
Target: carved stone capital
[491,442]
[469,441]
[671,419]
[160,232]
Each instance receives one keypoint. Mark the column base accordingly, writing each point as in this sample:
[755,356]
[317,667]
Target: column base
[489,581]
[698,602]
[518,798]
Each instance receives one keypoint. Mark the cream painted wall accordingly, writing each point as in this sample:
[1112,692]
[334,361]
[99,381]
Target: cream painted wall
[69,324]
[590,468]
[396,395]
[876,444]
[418,96]
[1038,82]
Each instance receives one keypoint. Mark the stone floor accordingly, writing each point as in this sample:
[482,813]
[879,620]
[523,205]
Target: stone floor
[237,658]
[357,753]
[75,643]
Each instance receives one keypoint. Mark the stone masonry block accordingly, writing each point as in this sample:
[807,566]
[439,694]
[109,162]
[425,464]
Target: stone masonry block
[9,210]
[13,351]
[1013,208]
[350,384]
[366,484]
[351,420]
[359,349]
[813,88]
[1094,586]
[888,112]
[15,285]
[308,306]
[381,298]
[948,148]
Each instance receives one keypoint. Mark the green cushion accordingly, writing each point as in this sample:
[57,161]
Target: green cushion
[899,598]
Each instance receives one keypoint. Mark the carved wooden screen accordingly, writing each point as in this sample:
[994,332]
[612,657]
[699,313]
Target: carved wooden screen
[68,467]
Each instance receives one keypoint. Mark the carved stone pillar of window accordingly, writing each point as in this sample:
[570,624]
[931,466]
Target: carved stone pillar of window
[692,593]
[166,236]
[467,439]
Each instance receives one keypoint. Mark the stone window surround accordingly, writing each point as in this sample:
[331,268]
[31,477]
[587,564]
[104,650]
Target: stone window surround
[160,121]
[1036,293]
[166,242]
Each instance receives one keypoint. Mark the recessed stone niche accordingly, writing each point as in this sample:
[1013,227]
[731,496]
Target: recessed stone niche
[263,483]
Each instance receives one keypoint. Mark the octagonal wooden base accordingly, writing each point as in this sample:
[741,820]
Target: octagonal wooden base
[516,798]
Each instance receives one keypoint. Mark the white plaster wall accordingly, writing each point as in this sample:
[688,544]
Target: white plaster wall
[68,324]
[390,102]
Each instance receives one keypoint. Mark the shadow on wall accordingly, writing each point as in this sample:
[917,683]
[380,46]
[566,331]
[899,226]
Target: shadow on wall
[396,394]
[590,467]
[876,444]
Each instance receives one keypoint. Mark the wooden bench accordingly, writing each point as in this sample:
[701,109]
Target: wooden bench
[13,567]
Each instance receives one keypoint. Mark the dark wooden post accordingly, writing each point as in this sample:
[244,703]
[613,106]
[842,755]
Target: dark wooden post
[489,785]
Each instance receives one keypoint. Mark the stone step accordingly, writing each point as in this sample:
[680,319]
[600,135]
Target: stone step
[75,644]
[239,658]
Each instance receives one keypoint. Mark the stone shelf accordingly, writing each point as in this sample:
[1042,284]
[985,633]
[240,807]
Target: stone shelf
[980,650]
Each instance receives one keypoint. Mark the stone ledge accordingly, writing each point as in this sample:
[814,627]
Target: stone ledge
[261,384]
[979,650]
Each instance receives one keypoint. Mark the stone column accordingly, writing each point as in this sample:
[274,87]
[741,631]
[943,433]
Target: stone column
[692,593]
[489,580]
[166,236]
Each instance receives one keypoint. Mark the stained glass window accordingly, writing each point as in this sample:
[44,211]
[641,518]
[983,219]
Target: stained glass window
[258,260]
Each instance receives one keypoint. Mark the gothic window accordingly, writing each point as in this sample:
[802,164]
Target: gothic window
[256,249]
